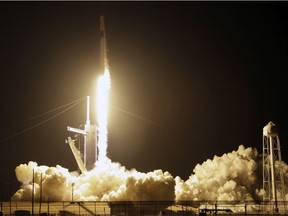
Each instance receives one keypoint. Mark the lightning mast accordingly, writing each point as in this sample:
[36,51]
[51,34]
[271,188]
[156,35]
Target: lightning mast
[272,178]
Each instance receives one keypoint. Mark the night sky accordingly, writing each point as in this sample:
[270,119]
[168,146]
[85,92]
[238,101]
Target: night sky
[189,80]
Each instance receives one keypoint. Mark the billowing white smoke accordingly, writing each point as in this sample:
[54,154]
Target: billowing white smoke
[233,176]
[56,182]
[108,181]
[230,177]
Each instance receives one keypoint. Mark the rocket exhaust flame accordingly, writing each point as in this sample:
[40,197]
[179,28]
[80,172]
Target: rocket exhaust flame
[102,113]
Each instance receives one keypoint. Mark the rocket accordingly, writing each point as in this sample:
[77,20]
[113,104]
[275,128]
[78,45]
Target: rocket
[103,47]
[87,156]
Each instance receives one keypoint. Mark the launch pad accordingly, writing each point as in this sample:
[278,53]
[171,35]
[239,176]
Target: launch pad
[145,208]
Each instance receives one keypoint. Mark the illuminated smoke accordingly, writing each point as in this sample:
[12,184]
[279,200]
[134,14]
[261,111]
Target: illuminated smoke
[102,113]
[108,181]
[234,176]
[230,177]
[56,182]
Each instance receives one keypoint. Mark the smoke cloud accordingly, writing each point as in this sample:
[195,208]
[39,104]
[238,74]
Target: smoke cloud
[230,177]
[108,181]
[233,176]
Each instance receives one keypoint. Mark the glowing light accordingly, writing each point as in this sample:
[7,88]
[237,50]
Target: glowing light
[103,87]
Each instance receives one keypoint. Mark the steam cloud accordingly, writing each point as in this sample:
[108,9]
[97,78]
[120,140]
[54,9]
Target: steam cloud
[233,176]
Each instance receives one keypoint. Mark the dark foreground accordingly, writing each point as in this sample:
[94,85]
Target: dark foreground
[143,208]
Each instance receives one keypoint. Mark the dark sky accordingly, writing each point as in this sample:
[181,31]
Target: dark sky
[195,79]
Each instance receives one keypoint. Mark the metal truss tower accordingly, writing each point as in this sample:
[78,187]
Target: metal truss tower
[86,160]
[273,179]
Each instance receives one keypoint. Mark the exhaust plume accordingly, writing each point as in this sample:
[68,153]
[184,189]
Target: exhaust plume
[234,177]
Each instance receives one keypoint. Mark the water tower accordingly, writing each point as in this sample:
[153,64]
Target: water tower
[273,180]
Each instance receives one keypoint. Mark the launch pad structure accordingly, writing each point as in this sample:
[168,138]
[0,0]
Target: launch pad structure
[136,208]
[273,181]
[85,160]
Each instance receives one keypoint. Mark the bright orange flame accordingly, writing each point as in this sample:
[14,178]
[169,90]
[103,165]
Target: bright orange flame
[102,113]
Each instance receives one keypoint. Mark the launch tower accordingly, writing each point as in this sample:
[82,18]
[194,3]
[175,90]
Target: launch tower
[87,158]
[273,180]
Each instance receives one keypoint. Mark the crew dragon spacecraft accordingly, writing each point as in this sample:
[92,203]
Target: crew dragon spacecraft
[86,154]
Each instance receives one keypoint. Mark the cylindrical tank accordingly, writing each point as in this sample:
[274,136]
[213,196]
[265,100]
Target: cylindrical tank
[270,130]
